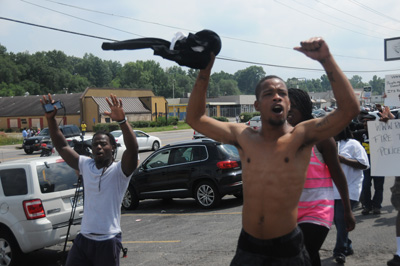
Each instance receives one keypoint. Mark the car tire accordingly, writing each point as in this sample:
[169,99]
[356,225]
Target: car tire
[207,195]
[28,151]
[130,200]
[156,145]
[10,250]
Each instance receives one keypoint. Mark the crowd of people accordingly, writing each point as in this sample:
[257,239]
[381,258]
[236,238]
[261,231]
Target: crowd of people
[30,132]
[300,174]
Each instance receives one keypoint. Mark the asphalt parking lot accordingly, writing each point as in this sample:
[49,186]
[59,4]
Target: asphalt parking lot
[178,232]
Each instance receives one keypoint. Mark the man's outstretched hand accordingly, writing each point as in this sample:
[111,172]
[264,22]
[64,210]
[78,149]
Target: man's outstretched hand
[117,112]
[315,48]
[47,100]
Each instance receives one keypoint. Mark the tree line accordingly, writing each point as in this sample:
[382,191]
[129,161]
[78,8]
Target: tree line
[55,72]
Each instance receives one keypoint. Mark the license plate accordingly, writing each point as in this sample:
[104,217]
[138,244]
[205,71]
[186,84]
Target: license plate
[79,202]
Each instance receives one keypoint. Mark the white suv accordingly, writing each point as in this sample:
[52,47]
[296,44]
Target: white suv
[36,197]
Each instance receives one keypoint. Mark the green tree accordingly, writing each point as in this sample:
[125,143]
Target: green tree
[247,79]
[325,83]
[377,85]
[356,82]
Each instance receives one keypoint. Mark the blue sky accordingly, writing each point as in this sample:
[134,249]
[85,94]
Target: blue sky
[259,31]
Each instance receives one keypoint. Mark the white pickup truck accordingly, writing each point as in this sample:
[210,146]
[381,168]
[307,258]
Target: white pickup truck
[36,197]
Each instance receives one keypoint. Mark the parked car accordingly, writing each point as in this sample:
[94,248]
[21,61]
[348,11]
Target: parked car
[197,135]
[203,169]
[36,198]
[318,113]
[254,122]
[35,143]
[145,141]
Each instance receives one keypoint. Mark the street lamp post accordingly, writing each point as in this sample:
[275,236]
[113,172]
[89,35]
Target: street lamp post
[173,89]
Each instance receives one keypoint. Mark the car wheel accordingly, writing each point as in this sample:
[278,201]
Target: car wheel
[28,151]
[130,200]
[156,145]
[207,195]
[10,253]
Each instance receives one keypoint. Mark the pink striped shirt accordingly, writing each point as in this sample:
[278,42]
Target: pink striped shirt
[316,203]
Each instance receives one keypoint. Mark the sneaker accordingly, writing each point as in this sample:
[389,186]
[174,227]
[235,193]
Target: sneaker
[395,261]
[349,252]
[365,211]
[376,211]
[341,259]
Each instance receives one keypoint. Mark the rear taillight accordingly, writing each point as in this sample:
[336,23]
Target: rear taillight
[227,164]
[33,209]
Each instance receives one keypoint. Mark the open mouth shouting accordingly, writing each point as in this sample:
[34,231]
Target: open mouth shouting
[277,109]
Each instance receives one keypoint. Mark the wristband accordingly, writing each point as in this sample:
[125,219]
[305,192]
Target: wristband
[121,122]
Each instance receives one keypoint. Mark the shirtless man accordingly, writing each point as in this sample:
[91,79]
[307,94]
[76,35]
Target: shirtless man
[275,158]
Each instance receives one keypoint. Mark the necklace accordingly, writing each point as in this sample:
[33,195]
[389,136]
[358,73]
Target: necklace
[102,173]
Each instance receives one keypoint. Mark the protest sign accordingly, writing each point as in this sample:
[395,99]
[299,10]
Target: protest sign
[384,147]
[392,90]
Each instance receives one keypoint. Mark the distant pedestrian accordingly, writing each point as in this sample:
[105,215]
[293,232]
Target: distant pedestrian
[83,128]
[24,133]
[354,160]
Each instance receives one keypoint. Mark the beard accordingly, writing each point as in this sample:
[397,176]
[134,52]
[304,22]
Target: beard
[273,122]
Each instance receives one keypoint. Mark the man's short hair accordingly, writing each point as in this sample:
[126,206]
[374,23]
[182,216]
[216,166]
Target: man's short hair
[258,87]
[109,135]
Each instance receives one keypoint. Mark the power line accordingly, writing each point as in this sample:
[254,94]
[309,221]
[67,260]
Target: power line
[51,28]
[308,15]
[189,30]
[327,14]
[86,20]
[373,10]
[351,15]
[219,57]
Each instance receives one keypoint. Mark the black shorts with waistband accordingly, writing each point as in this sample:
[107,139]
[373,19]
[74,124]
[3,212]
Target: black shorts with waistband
[285,250]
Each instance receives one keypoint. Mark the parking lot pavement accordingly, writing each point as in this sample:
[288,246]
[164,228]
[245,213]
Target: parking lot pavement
[177,232]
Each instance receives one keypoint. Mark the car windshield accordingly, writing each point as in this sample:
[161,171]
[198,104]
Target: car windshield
[255,118]
[44,132]
[56,177]
[116,134]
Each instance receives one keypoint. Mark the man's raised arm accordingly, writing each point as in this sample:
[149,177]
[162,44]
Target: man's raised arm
[196,117]
[348,106]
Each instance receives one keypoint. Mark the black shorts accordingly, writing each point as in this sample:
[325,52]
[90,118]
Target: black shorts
[86,251]
[286,250]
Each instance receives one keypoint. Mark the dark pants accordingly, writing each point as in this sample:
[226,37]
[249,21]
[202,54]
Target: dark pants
[287,250]
[343,242]
[314,237]
[87,252]
[368,200]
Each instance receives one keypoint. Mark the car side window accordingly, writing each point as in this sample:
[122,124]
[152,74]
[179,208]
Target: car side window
[181,155]
[199,153]
[14,182]
[140,134]
[158,160]
[56,177]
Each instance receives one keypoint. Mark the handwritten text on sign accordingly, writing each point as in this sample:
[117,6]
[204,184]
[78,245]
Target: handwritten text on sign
[384,141]
[392,90]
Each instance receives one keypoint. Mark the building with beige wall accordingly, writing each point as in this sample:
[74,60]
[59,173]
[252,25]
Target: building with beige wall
[25,111]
